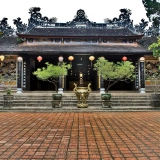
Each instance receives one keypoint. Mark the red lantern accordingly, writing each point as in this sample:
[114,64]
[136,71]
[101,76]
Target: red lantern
[124,58]
[39,58]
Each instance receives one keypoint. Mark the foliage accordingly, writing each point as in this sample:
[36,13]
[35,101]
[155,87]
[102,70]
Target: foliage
[156,48]
[154,78]
[8,83]
[8,91]
[114,72]
[152,73]
[20,40]
[1,34]
[153,11]
[51,73]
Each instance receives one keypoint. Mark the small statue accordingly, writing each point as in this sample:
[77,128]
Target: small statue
[75,88]
[89,89]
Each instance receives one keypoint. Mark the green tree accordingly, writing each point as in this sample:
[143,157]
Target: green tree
[156,48]
[114,72]
[152,73]
[152,11]
[51,73]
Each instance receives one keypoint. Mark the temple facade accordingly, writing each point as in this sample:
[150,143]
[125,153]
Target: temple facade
[45,40]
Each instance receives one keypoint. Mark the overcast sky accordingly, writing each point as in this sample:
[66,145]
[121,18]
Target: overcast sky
[65,10]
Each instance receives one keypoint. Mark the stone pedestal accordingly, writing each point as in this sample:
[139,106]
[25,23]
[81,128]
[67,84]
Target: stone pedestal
[7,103]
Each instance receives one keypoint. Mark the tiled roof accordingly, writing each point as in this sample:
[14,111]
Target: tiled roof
[9,45]
[80,32]
[146,41]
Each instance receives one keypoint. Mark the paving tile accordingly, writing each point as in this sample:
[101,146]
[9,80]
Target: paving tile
[85,135]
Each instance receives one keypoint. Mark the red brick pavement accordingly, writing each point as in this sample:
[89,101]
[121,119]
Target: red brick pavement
[85,136]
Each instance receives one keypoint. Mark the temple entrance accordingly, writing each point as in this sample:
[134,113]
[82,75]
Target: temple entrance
[80,65]
[82,73]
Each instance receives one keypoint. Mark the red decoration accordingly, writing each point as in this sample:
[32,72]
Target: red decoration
[124,58]
[39,58]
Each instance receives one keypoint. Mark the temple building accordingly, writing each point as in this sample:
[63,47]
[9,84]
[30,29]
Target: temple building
[80,42]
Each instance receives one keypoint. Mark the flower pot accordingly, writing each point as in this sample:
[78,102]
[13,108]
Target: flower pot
[57,100]
[106,100]
[155,100]
[105,96]
[57,96]
[7,100]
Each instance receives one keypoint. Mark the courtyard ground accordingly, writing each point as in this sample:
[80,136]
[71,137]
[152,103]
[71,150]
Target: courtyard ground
[85,136]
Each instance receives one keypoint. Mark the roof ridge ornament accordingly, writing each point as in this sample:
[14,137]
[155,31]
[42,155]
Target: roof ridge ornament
[122,21]
[35,20]
[5,29]
[20,26]
[80,20]
[141,27]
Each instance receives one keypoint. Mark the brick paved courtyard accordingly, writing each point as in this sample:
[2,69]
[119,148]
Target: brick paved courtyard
[92,136]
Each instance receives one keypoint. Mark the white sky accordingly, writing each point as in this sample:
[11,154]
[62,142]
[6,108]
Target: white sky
[65,10]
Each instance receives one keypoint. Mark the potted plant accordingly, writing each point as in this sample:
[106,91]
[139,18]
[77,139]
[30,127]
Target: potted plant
[8,91]
[51,73]
[8,97]
[113,73]
[153,74]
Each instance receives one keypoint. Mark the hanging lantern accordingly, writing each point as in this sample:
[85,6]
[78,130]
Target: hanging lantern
[1,57]
[60,59]
[39,58]
[91,58]
[124,58]
[142,59]
[19,59]
[71,58]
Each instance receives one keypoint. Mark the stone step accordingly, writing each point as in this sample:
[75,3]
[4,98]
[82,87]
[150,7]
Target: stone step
[96,103]
[75,109]
[74,97]
[43,101]
[70,98]
[74,102]
[31,105]
[131,104]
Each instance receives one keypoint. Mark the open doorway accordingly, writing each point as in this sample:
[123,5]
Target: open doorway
[80,64]
[82,69]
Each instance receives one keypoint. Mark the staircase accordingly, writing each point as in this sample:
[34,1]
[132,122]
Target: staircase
[42,101]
